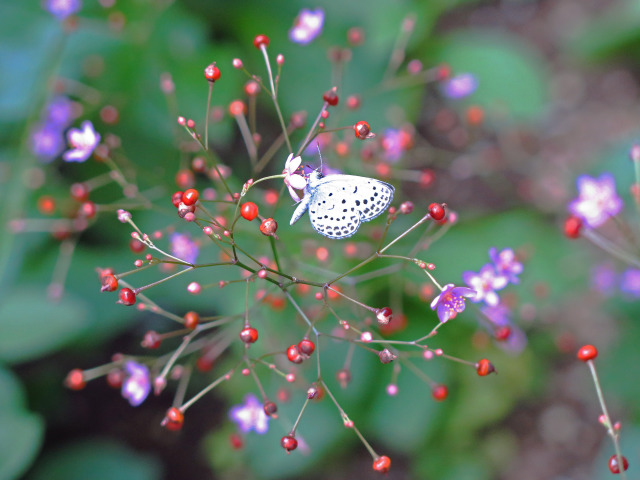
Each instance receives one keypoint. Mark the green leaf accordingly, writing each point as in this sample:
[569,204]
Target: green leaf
[32,326]
[11,392]
[20,439]
[511,76]
[97,460]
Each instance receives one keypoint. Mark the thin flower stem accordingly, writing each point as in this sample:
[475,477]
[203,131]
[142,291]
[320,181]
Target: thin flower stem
[271,151]
[206,118]
[276,258]
[371,309]
[312,130]
[295,425]
[274,97]
[418,373]
[246,305]
[187,339]
[610,247]
[248,139]
[605,412]
[208,388]
[140,289]
[398,51]
[182,386]
[302,314]
[61,269]
[255,377]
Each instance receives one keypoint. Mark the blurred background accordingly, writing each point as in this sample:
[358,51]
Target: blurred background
[557,96]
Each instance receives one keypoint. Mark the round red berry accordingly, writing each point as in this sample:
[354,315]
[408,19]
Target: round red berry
[572,227]
[109,283]
[173,420]
[190,197]
[191,320]
[249,335]
[212,73]
[362,130]
[382,464]
[46,204]
[115,378]
[88,209]
[306,346]
[484,367]
[151,339]
[289,443]
[75,379]
[237,107]
[502,333]
[184,178]
[270,408]
[236,441]
[436,211]
[587,352]
[249,211]
[268,227]
[331,97]
[136,246]
[260,40]
[79,192]
[293,354]
[127,297]
[176,198]
[439,392]
[614,466]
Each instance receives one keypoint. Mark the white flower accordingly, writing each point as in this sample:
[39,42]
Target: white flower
[307,26]
[293,180]
[83,143]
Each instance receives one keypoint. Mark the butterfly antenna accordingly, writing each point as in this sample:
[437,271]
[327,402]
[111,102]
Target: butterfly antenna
[319,154]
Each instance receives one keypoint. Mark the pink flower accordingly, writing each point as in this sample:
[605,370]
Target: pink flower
[450,302]
[250,415]
[137,385]
[83,143]
[460,86]
[597,200]
[293,180]
[485,283]
[307,26]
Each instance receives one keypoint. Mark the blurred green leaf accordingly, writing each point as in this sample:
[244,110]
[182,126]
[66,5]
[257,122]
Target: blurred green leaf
[512,77]
[11,393]
[20,439]
[32,326]
[97,460]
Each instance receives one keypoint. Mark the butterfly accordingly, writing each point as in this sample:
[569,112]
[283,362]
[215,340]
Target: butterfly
[338,204]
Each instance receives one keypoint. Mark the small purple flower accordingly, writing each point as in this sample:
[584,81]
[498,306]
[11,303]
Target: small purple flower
[61,9]
[393,144]
[59,112]
[450,302]
[47,142]
[83,143]
[137,385]
[604,279]
[250,415]
[630,282]
[506,263]
[307,26]
[183,247]
[460,86]
[293,180]
[597,200]
[485,283]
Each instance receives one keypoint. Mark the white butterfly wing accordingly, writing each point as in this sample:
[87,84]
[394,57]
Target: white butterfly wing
[341,202]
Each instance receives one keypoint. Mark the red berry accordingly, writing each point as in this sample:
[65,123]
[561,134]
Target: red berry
[151,340]
[109,283]
[115,378]
[436,211]
[127,297]
[484,367]
[306,346]
[249,335]
[79,192]
[190,197]
[88,209]
[384,315]
[587,352]
[362,130]
[268,226]
[289,443]
[173,420]
[382,464]
[270,408]
[614,467]
[572,227]
[212,73]
[184,178]
[75,379]
[331,97]
[249,211]
[260,40]
[236,441]
[136,246]
[293,354]
[439,392]
[191,320]
[502,333]
[46,204]
[176,198]
[237,107]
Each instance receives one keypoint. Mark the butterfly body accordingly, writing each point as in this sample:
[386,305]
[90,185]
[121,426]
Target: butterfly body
[338,204]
